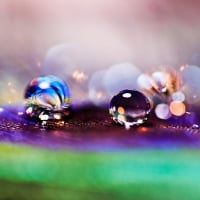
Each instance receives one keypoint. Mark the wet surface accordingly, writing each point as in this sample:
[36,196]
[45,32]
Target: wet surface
[91,128]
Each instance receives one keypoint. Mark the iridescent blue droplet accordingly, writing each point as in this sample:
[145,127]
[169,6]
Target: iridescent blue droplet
[47,98]
[129,107]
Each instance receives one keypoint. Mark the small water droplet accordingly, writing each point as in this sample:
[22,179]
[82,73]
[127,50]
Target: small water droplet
[129,107]
[47,98]
[195,126]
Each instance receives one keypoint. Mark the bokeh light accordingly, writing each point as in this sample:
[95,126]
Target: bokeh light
[144,82]
[119,77]
[165,88]
[177,108]
[60,60]
[159,81]
[178,96]
[191,83]
[162,111]
[96,90]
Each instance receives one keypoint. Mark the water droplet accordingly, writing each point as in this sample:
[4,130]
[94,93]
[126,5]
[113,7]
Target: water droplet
[195,126]
[47,98]
[129,107]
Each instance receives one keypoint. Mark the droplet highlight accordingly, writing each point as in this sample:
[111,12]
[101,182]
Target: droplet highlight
[47,98]
[129,107]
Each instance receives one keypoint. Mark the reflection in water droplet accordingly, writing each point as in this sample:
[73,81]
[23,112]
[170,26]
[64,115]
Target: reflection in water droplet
[129,111]
[47,97]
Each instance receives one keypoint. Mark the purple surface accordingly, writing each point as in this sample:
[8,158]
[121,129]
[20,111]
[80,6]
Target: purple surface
[91,128]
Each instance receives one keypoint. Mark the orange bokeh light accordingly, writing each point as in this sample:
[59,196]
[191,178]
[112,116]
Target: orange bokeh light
[177,108]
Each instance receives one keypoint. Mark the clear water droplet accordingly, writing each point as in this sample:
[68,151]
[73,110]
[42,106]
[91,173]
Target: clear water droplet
[195,126]
[47,98]
[129,107]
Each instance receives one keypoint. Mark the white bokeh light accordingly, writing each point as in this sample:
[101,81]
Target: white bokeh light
[191,83]
[144,82]
[178,96]
[121,76]
[162,111]
[96,90]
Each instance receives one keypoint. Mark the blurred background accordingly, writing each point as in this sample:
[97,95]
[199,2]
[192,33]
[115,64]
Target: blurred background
[100,47]
[75,39]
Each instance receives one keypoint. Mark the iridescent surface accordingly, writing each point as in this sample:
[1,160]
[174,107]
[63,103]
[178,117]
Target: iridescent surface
[89,157]
[91,128]
[129,107]
[47,98]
